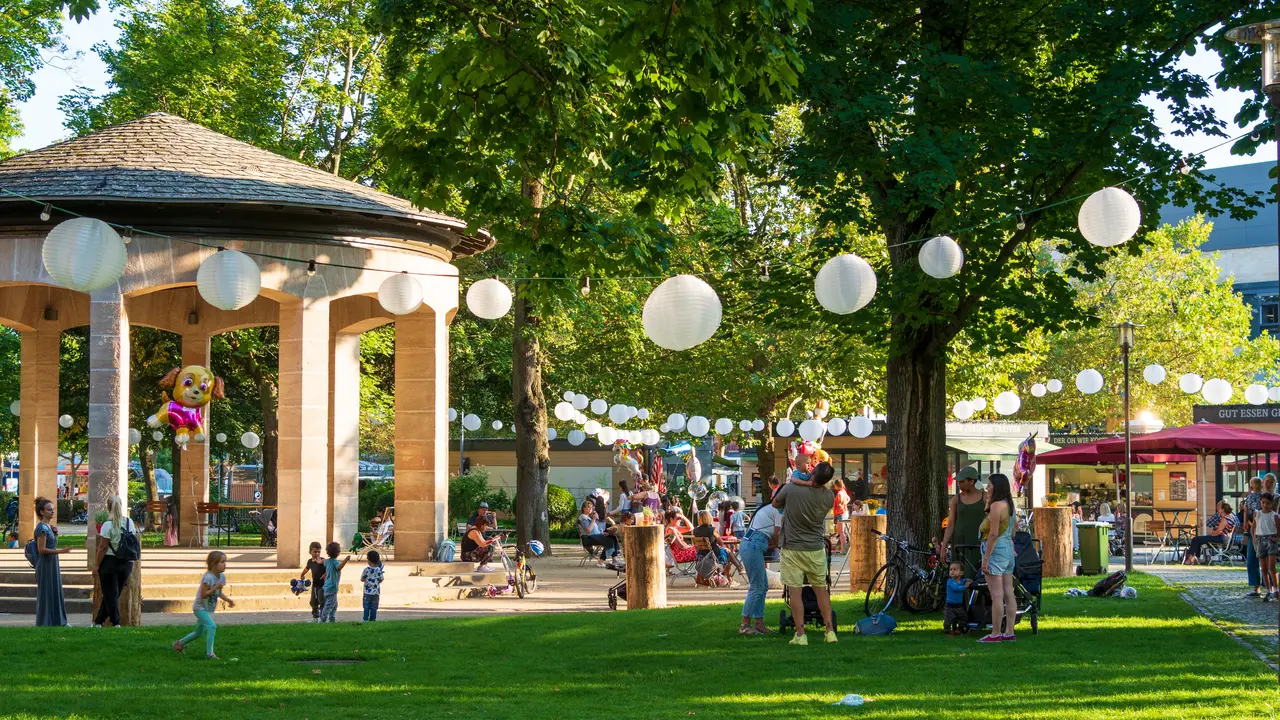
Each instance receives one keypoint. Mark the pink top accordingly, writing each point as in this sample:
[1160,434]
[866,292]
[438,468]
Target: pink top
[181,416]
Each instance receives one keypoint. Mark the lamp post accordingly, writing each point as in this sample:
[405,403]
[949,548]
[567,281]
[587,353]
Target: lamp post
[1267,34]
[1124,333]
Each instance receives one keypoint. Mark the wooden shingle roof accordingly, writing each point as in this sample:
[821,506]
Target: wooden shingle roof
[162,158]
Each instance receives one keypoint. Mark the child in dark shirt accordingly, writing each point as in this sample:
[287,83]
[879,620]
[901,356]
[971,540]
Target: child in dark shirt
[954,616]
[315,566]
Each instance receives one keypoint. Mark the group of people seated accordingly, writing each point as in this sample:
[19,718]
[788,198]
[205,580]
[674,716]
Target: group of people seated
[476,546]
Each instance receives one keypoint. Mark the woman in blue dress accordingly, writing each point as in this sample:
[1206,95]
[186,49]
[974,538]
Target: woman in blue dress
[997,559]
[50,608]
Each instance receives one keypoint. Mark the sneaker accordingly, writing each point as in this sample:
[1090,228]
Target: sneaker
[177,646]
[1008,638]
[1253,594]
[1266,598]
[486,568]
[97,625]
[991,639]
[799,640]
[831,636]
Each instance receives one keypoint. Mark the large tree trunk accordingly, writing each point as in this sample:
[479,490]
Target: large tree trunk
[916,444]
[533,457]
[270,443]
[149,479]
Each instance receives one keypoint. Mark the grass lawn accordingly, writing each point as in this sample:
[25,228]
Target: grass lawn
[1152,657]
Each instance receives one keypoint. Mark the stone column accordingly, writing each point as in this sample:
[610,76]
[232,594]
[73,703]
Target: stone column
[38,424]
[303,413]
[108,403]
[422,433]
[344,437]
[194,476]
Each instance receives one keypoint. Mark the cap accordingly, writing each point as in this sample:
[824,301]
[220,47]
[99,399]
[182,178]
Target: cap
[484,505]
[968,473]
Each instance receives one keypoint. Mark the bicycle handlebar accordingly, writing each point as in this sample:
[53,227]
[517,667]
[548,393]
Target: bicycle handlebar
[902,544]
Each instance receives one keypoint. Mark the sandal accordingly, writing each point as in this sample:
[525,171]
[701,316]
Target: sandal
[177,646]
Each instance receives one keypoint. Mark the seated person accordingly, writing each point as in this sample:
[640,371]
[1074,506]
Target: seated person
[856,507]
[1105,514]
[482,510]
[682,525]
[384,531]
[477,548]
[1221,524]
[592,532]
[707,530]
[13,541]
[678,551]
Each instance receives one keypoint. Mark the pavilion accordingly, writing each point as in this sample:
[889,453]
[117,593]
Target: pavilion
[164,174]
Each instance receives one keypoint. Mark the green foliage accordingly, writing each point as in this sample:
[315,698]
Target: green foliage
[561,507]
[467,491]
[27,29]
[375,497]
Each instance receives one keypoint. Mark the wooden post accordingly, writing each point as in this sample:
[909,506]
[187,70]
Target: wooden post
[646,566]
[130,598]
[1053,528]
[866,549]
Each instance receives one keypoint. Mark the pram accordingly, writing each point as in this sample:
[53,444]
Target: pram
[812,613]
[1027,576]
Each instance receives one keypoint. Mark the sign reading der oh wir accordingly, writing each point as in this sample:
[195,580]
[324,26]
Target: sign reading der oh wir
[1236,413]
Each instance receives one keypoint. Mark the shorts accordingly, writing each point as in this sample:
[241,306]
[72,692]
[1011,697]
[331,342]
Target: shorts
[1001,560]
[1266,546]
[804,567]
[843,516]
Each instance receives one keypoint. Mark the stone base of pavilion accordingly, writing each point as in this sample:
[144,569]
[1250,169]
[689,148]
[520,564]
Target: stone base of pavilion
[170,577]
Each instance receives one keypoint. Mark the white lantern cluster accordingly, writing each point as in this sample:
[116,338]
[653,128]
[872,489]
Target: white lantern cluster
[600,406]
[1109,217]
[577,437]
[229,279]
[681,313]
[675,422]
[979,404]
[552,434]
[400,294]
[452,414]
[84,254]
[941,257]
[845,284]
[496,424]
[744,425]
[489,299]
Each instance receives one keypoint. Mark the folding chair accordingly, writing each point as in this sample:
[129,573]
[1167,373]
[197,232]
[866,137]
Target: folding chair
[1220,552]
[381,540]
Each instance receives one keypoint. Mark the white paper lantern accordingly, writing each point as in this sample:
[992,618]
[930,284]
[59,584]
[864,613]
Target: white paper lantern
[681,312]
[643,413]
[250,440]
[229,280]
[568,396]
[699,426]
[496,424]
[1216,391]
[1274,394]
[837,426]
[551,434]
[785,428]
[599,406]
[471,422]
[157,436]
[84,254]
[1154,374]
[664,428]
[676,421]
[1109,217]
[1089,381]
[135,436]
[979,404]
[220,437]
[963,410]
[580,401]
[757,425]
[724,426]
[1255,394]
[1007,403]
[576,437]
[564,411]
[811,429]
[650,437]
[941,257]
[861,426]
[845,284]
[452,414]
[607,435]
[15,408]
[65,421]
[489,299]
[744,425]
[592,427]
[1038,390]
[1190,383]
[619,414]
[1054,386]
[400,294]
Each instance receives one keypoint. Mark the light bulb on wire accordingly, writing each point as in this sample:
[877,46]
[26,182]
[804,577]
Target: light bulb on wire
[311,267]
[46,212]
[585,286]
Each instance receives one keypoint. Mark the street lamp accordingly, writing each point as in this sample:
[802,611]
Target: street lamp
[1267,34]
[1124,332]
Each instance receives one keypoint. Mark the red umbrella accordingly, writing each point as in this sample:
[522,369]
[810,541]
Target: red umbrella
[1088,454]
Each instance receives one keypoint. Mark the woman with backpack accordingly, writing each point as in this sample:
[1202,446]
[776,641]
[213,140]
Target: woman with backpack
[117,549]
[51,609]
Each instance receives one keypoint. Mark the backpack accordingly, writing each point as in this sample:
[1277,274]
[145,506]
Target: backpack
[878,624]
[1109,584]
[129,548]
[29,552]
[445,551]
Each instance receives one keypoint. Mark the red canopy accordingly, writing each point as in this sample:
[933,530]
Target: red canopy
[1202,439]
[1089,454]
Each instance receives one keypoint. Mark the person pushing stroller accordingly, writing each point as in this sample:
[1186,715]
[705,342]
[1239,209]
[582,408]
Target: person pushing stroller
[804,556]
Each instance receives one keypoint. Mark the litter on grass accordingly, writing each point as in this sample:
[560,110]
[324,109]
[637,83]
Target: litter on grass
[851,700]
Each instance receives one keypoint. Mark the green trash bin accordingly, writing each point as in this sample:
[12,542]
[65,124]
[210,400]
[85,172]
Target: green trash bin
[1095,550]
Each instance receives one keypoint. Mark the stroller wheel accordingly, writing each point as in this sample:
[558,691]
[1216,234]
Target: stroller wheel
[613,600]
[784,621]
[834,625]
[1035,623]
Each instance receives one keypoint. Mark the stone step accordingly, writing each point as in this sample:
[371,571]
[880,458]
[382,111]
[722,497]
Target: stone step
[27,605]
[160,577]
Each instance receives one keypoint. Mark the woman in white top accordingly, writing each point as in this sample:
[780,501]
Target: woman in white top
[113,572]
[765,525]
[1105,514]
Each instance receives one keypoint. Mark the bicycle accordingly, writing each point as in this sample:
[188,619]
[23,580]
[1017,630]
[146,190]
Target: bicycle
[519,574]
[895,576]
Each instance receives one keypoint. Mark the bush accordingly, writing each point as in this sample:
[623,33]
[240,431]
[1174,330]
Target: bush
[374,497]
[68,509]
[562,509]
[467,491]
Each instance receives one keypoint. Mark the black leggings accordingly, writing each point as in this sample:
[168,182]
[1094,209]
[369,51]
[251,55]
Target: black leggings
[113,574]
[1198,542]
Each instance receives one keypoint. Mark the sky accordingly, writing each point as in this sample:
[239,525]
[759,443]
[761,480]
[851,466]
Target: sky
[79,65]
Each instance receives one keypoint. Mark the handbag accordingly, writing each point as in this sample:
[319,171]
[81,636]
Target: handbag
[878,624]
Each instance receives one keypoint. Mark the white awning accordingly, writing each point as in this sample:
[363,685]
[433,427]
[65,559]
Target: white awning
[993,448]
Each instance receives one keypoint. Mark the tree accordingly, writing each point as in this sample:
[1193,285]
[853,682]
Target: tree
[576,131]
[948,118]
[152,353]
[249,362]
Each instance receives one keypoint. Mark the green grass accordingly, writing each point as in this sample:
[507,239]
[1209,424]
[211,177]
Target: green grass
[155,539]
[1147,658]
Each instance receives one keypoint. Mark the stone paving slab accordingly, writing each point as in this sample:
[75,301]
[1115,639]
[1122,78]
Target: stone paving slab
[1220,592]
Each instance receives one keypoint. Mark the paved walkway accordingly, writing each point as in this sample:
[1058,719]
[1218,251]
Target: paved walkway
[1220,592]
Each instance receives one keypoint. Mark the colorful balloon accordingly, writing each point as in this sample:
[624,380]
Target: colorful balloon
[193,387]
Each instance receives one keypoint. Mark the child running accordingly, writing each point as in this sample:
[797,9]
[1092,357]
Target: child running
[372,579]
[315,566]
[332,576]
[206,602]
[1264,538]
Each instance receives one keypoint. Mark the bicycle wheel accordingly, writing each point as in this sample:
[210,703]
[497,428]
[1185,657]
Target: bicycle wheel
[921,595]
[882,591]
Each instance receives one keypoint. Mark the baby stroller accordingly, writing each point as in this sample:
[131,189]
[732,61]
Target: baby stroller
[812,614]
[1027,576]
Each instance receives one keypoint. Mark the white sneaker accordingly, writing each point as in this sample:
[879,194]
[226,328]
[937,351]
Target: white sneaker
[486,568]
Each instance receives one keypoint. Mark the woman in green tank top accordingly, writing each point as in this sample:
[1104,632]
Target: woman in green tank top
[964,518]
